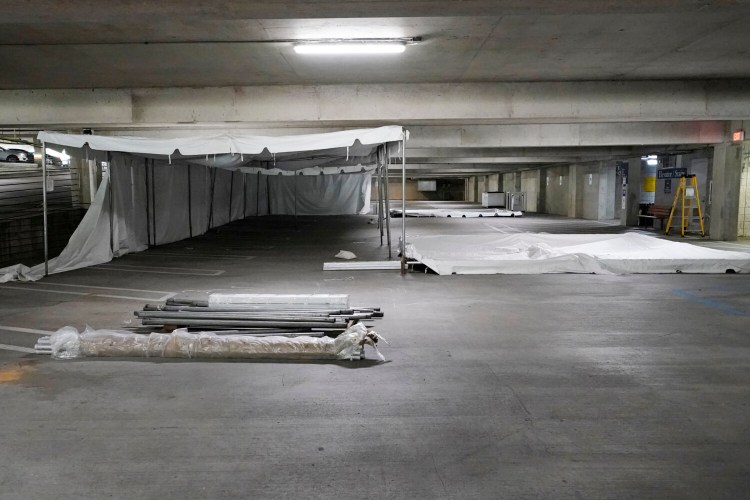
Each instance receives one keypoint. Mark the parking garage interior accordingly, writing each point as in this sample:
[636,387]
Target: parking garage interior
[585,116]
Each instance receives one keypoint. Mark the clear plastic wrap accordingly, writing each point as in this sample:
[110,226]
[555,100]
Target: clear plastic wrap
[67,343]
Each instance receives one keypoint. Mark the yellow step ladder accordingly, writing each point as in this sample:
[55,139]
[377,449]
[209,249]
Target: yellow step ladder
[689,202]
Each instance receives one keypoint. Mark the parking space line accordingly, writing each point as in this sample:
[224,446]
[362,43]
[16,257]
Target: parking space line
[27,350]
[108,288]
[83,294]
[25,330]
[158,299]
[36,289]
[153,270]
[212,256]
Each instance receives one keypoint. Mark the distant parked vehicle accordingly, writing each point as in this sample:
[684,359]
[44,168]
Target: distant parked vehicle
[54,161]
[14,155]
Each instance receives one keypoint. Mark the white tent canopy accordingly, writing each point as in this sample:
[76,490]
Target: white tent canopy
[207,181]
[293,152]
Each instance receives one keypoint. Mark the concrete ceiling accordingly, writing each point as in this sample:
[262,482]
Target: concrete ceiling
[137,44]
[85,44]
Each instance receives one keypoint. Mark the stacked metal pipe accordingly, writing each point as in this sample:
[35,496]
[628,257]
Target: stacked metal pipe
[259,314]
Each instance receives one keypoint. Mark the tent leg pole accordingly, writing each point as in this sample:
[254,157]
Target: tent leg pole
[296,227]
[231,193]
[44,208]
[380,196]
[148,206]
[190,202]
[387,204]
[153,202]
[403,206]
[244,195]
[257,196]
[111,205]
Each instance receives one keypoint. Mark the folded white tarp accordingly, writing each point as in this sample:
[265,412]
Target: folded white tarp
[469,213]
[530,253]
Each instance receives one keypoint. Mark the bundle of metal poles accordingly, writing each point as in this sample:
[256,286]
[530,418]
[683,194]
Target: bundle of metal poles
[258,315]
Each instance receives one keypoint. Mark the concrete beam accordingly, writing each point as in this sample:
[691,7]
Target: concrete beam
[365,105]
[578,153]
[569,135]
[490,159]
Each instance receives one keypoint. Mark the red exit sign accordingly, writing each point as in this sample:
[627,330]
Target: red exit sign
[738,135]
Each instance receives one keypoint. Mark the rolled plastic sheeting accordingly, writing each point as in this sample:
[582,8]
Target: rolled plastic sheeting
[67,343]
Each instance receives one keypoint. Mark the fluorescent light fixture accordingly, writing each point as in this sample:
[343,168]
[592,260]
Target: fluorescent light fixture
[350,47]
[651,160]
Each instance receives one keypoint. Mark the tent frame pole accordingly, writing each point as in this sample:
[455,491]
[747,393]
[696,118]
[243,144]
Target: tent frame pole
[190,201]
[244,195]
[153,201]
[111,204]
[379,177]
[231,193]
[387,202]
[403,205]
[148,206]
[44,208]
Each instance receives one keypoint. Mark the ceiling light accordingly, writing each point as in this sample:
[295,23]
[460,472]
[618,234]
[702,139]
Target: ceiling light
[351,47]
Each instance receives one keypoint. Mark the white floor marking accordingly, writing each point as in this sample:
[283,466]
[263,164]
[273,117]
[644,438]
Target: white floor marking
[47,290]
[164,297]
[108,288]
[160,299]
[150,270]
[16,348]
[25,330]
[194,256]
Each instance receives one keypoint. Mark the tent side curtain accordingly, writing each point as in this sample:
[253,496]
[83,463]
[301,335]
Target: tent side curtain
[156,203]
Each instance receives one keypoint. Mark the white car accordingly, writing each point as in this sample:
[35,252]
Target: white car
[14,155]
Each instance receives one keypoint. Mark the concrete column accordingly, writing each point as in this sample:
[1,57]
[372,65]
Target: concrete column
[472,189]
[493,183]
[633,192]
[607,191]
[725,192]
[743,220]
[572,191]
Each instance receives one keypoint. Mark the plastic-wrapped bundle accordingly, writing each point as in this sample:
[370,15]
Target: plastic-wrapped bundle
[67,343]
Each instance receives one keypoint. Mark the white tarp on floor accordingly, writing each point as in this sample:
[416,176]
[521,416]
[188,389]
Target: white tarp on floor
[468,213]
[531,253]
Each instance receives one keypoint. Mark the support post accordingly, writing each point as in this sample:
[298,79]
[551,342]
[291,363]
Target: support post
[231,194]
[111,204]
[153,201]
[633,201]
[379,172]
[148,206]
[190,202]
[403,205]
[387,202]
[726,176]
[44,208]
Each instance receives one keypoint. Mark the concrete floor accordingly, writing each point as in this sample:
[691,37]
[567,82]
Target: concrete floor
[551,386]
